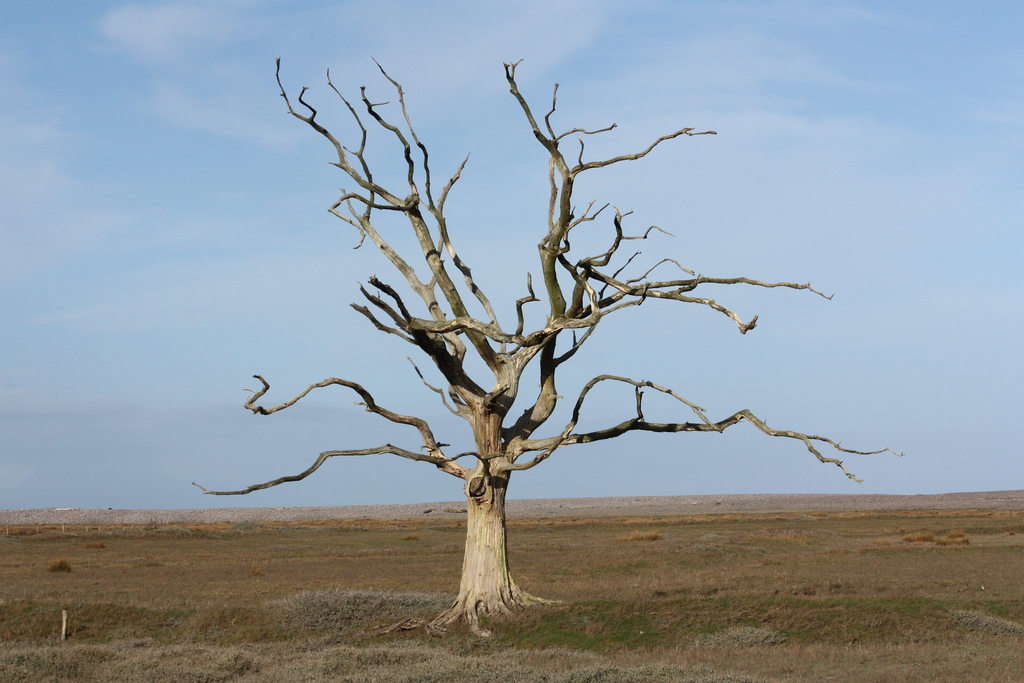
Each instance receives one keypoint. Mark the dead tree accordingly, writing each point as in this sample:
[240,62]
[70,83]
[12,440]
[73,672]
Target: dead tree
[577,293]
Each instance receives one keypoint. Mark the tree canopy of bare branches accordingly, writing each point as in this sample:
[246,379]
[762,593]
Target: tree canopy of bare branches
[432,312]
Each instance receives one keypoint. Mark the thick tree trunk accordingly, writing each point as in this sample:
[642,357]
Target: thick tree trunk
[487,587]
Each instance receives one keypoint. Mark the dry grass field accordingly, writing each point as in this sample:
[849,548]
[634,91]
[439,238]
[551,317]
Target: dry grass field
[840,596]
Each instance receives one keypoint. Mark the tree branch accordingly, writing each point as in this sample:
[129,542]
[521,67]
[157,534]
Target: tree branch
[639,423]
[639,155]
[443,464]
[642,289]
[530,297]
[444,330]
[437,391]
[381,326]
[433,448]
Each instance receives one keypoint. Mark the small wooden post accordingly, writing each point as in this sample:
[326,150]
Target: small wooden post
[63,624]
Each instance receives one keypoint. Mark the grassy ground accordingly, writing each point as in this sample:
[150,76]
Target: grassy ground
[922,596]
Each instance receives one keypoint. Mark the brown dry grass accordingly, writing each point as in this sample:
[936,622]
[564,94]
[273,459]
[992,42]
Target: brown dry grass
[60,566]
[637,535]
[761,597]
[953,541]
[954,537]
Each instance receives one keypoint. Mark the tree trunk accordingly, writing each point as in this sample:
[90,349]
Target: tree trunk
[487,587]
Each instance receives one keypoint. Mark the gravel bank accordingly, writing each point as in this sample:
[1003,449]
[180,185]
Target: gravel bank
[632,506]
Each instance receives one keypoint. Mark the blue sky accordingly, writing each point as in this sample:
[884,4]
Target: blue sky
[164,235]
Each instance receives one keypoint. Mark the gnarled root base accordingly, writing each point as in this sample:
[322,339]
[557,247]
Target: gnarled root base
[467,612]
[487,588]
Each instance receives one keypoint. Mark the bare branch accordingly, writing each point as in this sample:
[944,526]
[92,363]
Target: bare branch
[547,117]
[343,162]
[412,131]
[639,423]
[521,302]
[584,131]
[586,217]
[371,108]
[510,76]
[451,183]
[639,155]
[381,326]
[357,224]
[437,391]
[410,207]
[390,291]
[576,344]
[644,277]
[391,202]
[443,464]
[434,450]
[550,445]
[362,128]
[467,273]
[369,203]
[603,259]
[676,288]
[691,284]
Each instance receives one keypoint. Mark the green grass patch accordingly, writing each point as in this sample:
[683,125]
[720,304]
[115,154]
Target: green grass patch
[611,625]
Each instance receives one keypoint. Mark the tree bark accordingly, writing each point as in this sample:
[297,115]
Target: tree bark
[487,587]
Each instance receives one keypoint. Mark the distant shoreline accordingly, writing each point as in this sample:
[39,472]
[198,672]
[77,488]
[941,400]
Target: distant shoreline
[625,506]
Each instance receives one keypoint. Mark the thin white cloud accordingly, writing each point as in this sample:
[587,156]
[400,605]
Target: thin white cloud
[45,213]
[48,213]
[223,115]
[809,13]
[741,59]
[1006,109]
[199,85]
[735,69]
[189,293]
[544,33]
[1008,115]
[165,31]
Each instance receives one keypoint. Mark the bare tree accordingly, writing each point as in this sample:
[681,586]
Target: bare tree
[578,294]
